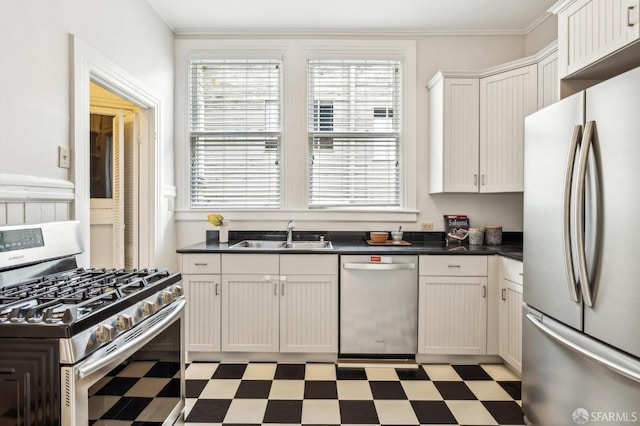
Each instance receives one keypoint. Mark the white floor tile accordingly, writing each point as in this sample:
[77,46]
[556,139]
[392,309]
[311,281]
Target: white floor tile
[500,372]
[381,373]
[421,390]
[220,389]
[443,372]
[320,411]
[486,390]
[260,371]
[354,389]
[320,372]
[200,370]
[470,413]
[287,389]
[246,411]
[395,412]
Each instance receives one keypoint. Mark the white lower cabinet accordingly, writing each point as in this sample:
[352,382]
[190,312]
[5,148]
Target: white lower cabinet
[510,314]
[452,306]
[202,290]
[279,303]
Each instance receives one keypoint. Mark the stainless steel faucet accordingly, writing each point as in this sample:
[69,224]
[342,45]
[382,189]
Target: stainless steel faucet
[290,227]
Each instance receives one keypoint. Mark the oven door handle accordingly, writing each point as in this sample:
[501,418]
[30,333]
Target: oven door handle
[89,367]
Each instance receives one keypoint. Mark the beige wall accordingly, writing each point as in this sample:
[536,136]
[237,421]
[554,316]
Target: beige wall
[542,35]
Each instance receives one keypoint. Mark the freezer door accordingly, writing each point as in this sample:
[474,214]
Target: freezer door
[548,139]
[560,383]
[615,318]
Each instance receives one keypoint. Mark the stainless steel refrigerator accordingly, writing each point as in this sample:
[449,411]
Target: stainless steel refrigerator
[581,326]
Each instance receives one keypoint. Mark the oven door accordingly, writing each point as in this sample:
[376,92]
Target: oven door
[139,377]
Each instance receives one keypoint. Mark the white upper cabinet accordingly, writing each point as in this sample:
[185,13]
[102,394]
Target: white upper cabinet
[505,100]
[548,81]
[454,105]
[476,126]
[592,30]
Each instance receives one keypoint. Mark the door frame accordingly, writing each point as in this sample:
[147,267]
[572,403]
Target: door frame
[90,66]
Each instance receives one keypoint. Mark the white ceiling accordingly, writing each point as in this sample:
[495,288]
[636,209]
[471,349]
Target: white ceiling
[290,16]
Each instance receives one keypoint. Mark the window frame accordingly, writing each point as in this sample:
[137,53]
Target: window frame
[295,53]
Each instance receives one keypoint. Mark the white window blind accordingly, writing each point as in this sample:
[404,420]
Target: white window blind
[235,133]
[354,133]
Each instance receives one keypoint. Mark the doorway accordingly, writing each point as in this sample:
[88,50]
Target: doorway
[90,66]
[113,180]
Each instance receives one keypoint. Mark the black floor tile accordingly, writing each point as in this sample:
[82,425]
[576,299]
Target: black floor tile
[146,423]
[209,411]
[505,412]
[229,371]
[412,374]
[127,408]
[290,372]
[171,389]
[351,374]
[254,389]
[320,389]
[118,369]
[433,412]
[283,411]
[471,372]
[454,390]
[163,369]
[117,386]
[387,390]
[193,388]
[514,389]
[358,412]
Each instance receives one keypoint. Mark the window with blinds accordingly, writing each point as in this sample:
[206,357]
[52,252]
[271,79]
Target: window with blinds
[354,133]
[235,132]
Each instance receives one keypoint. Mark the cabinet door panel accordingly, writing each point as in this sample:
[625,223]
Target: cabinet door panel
[453,315]
[510,317]
[202,327]
[309,313]
[505,100]
[249,313]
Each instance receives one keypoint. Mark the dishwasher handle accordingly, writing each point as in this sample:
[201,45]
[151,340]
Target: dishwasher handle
[379,266]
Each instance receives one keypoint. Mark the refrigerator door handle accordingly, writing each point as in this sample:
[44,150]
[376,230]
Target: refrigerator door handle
[588,348]
[580,208]
[568,180]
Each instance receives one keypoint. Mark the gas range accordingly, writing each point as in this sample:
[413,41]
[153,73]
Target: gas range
[82,322]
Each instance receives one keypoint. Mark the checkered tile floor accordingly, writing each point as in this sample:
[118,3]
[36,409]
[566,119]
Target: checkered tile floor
[313,393]
[138,393]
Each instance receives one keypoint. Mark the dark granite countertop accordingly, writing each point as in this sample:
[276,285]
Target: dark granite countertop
[345,242]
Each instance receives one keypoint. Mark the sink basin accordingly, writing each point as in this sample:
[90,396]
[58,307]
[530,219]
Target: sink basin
[259,244]
[309,245]
[264,244]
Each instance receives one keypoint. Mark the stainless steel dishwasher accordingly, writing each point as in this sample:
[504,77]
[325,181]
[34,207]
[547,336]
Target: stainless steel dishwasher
[378,305]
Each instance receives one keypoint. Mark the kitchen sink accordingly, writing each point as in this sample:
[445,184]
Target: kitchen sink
[265,244]
[309,245]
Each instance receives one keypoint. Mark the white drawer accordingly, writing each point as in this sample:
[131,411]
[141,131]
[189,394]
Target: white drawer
[248,264]
[512,270]
[455,266]
[201,263]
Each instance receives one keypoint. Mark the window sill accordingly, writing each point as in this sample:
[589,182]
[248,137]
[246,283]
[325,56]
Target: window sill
[335,215]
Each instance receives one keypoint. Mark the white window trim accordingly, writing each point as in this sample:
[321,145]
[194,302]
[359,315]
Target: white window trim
[295,53]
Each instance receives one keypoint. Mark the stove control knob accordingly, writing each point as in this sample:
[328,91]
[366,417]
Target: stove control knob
[104,333]
[165,297]
[123,322]
[146,308]
[177,291]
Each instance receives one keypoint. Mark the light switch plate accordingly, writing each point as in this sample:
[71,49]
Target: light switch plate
[64,157]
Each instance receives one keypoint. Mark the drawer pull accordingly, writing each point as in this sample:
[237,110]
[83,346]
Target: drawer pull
[629,10]
[201,264]
[217,292]
[520,273]
[454,266]
[484,291]
[504,294]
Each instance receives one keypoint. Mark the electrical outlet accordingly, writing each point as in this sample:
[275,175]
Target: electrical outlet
[426,226]
[64,157]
